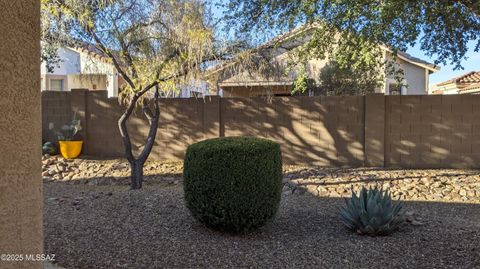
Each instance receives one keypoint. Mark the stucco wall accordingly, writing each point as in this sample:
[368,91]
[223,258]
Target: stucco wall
[69,64]
[88,81]
[416,79]
[21,200]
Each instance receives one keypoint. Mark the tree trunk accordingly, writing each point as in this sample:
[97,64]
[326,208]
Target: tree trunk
[136,175]
[136,164]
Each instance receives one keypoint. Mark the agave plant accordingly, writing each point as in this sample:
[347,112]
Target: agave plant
[372,212]
[68,131]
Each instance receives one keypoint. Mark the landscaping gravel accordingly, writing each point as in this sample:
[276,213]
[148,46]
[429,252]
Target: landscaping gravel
[415,184]
[110,226]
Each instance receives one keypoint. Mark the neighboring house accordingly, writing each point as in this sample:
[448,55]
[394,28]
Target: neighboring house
[468,83]
[244,84]
[81,67]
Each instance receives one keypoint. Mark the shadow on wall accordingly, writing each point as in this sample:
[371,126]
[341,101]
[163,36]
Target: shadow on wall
[327,131]
[181,123]
[432,131]
[412,131]
[317,130]
[56,109]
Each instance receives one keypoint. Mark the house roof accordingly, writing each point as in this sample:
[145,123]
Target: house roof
[470,77]
[473,88]
[90,49]
[303,30]
[418,61]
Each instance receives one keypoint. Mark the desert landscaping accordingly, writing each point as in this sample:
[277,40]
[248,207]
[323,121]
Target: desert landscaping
[96,221]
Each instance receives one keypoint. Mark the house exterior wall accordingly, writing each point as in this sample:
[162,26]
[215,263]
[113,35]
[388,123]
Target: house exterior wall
[91,82]
[415,77]
[81,70]
[69,63]
[255,91]
[21,198]
[91,64]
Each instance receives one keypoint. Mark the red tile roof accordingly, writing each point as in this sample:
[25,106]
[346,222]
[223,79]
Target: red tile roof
[471,77]
[475,86]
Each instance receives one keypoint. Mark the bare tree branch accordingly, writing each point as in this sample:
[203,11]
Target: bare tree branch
[105,50]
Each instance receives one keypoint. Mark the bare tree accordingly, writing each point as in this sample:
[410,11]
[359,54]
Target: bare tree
[154,45]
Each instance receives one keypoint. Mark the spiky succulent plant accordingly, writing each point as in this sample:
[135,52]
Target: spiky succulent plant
[372,212]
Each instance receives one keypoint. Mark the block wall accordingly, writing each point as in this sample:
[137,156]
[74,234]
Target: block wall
[433,131]
[326,131]
[372,130]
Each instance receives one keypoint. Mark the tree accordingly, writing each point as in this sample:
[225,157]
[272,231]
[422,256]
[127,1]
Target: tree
[337,80]
[154,45]
[351,31]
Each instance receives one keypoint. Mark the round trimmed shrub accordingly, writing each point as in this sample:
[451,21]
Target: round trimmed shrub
[233,183]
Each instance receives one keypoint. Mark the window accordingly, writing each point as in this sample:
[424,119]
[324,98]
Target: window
[395,89]
[56,84]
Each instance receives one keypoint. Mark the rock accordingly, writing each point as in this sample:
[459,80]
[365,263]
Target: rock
[417,223]
[334,194]
[471,193]
[299,190]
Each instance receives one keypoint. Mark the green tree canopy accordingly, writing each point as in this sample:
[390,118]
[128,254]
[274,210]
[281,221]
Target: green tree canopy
[352,30]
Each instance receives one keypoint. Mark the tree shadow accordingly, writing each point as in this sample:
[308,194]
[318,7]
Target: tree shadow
[325,131]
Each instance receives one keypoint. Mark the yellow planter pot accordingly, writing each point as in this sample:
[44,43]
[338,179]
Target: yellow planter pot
[70,149]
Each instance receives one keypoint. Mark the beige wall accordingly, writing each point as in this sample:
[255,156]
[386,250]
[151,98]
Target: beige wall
[321,130]
[415,76]
[375,130]
[85,81]
[416,79]
[20,132]
[326,131]
[433,131]
[240,91]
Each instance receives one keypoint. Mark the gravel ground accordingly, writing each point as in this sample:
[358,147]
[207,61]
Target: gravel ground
[110,226]
[452,185]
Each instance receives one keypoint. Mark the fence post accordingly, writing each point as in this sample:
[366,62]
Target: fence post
[79,107]
[375,130]
[211,117]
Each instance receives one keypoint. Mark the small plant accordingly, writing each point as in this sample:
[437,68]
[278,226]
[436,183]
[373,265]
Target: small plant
[68,131]
[49,148]
[233,183]
[372,212]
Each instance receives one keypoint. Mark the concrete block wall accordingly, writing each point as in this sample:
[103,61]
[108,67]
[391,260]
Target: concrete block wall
[433,131]
[56,109]
[182,122]
[372,130]
[324,131]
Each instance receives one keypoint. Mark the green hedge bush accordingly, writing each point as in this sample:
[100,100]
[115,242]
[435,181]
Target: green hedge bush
[233,183]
